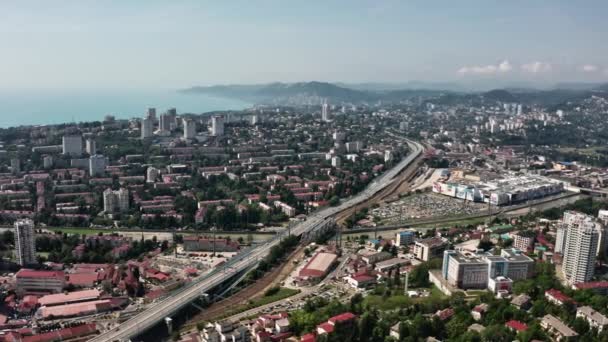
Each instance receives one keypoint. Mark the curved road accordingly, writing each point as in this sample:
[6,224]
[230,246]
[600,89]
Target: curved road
[248,258]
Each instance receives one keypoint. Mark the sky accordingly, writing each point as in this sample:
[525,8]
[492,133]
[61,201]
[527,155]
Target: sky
[175,44]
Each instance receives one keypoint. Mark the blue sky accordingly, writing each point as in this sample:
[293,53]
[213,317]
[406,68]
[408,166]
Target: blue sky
[175,44]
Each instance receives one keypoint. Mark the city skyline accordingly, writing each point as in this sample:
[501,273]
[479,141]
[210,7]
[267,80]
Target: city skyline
[176,45]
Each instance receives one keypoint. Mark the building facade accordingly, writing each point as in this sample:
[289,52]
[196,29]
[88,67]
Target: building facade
[147,126]
[32,281]
[25,242]
[427,249]
[91,147]
[582,239]
[189,129]
[474,270]
[217,125]
[115,201]
[97,165]
[72,145]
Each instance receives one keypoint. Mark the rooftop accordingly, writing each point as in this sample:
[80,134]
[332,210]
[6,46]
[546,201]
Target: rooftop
[62,298]
[318,265]
[27,273]
[558,325]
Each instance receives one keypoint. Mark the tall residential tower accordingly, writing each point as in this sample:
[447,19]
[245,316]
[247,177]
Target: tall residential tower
[25,242]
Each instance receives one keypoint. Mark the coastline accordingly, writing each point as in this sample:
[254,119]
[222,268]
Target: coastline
[33,108]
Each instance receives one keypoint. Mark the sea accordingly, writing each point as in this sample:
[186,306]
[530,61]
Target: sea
[19,107]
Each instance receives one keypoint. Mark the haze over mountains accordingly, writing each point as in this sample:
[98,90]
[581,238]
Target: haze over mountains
[312,93]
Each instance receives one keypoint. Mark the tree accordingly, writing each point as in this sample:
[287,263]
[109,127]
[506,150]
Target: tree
[366,324]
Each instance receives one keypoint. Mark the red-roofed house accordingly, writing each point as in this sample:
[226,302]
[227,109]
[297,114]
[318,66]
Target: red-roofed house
[557,297]
[83,280]
[342,318]
[445,314]
[325,328]
[28,303]
[516,326]
[599,287]
[308,338]
[360,280]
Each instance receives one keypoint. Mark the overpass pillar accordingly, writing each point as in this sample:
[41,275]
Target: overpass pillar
[169,323]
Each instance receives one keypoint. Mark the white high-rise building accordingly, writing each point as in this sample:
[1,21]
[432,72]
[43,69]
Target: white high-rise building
[146,128]
[325,112]
[217,125]
[152,174]
[189,129]
[165,123]
[25,242]
[582,234]
[560,238]
[72,145]
[91,147]
[97,165]
[115,201]
[151,114]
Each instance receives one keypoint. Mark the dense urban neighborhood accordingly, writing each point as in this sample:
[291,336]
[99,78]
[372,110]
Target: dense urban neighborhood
[437,217]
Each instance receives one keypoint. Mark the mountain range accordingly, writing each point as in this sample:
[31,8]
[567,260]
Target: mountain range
[314,93]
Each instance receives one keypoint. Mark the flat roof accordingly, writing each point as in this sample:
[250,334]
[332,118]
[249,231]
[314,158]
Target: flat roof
[63,298]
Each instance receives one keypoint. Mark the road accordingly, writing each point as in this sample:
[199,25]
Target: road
[248,258]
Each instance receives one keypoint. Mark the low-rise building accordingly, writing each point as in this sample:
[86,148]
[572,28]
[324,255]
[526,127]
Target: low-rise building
[479,310]
[359,281]
[557,297]
[318,267]
[594,319]
[522,302]
[524,240]
[32,281]
[556,328]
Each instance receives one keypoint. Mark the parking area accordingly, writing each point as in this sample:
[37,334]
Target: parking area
[425,205]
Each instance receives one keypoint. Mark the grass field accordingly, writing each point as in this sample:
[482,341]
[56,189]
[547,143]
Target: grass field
[390,303]
[398,301]
[77,230]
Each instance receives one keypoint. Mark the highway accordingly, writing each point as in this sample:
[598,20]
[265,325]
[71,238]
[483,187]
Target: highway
[247,258]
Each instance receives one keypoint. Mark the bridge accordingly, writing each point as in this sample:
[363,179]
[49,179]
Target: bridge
[246,259]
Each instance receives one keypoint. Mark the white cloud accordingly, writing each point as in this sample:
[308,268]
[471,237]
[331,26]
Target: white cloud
[536,67]
[589,68]
[505,66]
